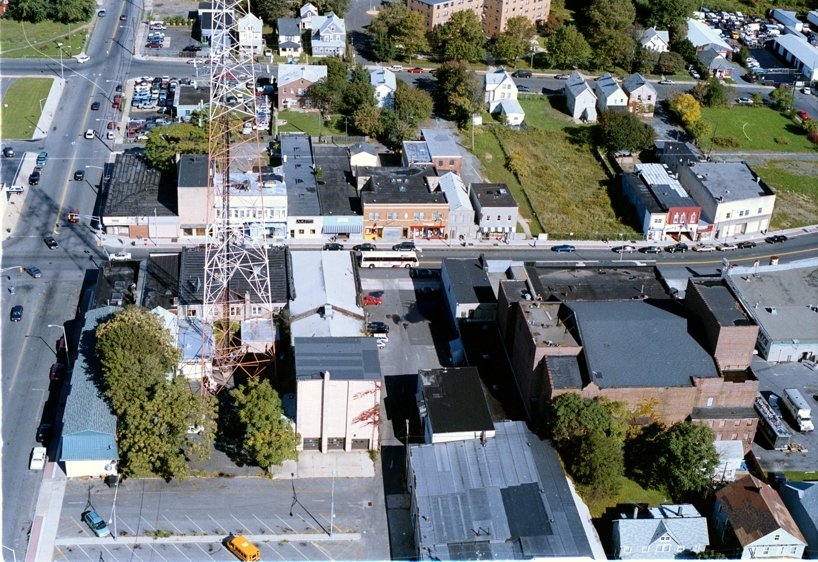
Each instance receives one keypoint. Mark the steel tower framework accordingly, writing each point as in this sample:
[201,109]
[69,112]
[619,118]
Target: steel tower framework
[236,261]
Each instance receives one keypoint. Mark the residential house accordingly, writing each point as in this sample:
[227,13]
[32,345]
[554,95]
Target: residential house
[494,13]
[385,84]
[289,38]
[258,202]
[193,339]
[467,289]
[641,95]
[717,66]
[192,182]
[363,155]
[666,532]
[498,85]
[400,203]
[482,499]
[703,36]
[452,405]
[580,98]
[88,446]
[250,39]
[328,37]
[665,209]
[325,303]
[655,40]
[733,198]
[801,499]
[609,96]
[304,218]
[306,13]
[752,521]
[205,23]
[511,112]
[495,209]
[338,393]
[294,82]
[461,225]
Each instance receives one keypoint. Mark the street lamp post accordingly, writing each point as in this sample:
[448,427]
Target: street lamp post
[62,68]
[65,339]
[113,508]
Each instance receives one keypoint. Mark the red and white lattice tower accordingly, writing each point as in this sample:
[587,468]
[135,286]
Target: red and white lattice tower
[236,262]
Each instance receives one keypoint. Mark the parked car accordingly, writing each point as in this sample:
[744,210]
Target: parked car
[34,178]
[372,300]
[38,458]
[416,70]
[704,248]
[523,88]
[43,433]
[333,247]
[407,246]
[803,115]
[56,372]
[16,313]
[51,242]
[726,247]
[522,74]
[776,239]
[118,88]
[665,82]
[192,48]
[153,45]
[563,248]
[626,249]
[42,159]
[89,134]
[123,17]
[744,101]
[562,76]
[96,523]
[34,271]
[95,106]
[8,152]
[694,73]
[377,328]
[651,250]
[746,244]
[365,247]
[673,248]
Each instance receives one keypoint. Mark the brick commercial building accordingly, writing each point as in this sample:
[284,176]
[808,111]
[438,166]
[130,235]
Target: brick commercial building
[494,13]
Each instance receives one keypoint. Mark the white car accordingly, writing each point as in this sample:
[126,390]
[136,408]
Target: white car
[82,57]
[705,248]
[726,247]
[38,458]
[89,134]
[110,135]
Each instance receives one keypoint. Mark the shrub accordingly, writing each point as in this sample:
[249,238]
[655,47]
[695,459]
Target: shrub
[726,142]
[781,140]
[813,137]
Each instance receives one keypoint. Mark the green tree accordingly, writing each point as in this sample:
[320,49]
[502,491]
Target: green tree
[783,98]
[666,14]
[567,48]
[33,11]
[599,463]
[410,35]
[70,11]
[399,29]
[367,120]
[383,48]
[572,417]
[686,459]
[616,15]
[271,10]
[515,41]
[461,38]
[459,93]
[670,63]
[394,129]
[758,99]
[645,60]
[268,437]
[623,130]
[164,143]
[358,92]
[610,28]
[412,104]
[612,47]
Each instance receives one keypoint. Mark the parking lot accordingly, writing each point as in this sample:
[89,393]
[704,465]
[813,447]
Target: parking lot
[775,378]
[175,40]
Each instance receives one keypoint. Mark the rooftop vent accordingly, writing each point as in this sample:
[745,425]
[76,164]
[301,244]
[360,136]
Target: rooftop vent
[772,310]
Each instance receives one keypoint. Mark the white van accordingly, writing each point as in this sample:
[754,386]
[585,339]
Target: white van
[798,408]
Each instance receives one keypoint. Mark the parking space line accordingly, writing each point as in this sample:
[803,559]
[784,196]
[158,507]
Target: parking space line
[274,549]
[130,529]
[156,550]
[202,548]
[85,553]
[295,548]
[177,547]
[148,523]
[264,524]
[306,521]
[285,523]
[322,550]
[178,530]
[194,523]
[240,523]
[218,525]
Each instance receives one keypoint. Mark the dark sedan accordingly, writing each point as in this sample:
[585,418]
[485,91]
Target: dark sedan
[681,248]
[333,247]
[746,245]
[365,247]
[563,248]
[16,313]
[51,242]
[651,250]
[776,239]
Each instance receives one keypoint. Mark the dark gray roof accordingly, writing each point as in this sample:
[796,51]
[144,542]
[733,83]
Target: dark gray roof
[470,282]
[114,283]
[801,499]
[192,170]
[344,358]
[399,185]
[455,401]
[506,498]
[721,302]
[600,283]
[632,183]
[137,190]
[725,412]
[188,95]
[639,343]
[289,45]
[288,27]
[302,191]
[416,152]
[191,277]
[565,371]
[89,426]
[336,195]
[493,195]
[360,147]
[161,281]
[674,153]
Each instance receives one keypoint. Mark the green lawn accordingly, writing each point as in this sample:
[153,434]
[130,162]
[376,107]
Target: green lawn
[629,492]
[761,129]
[39,40]
[20,109]
[801,476]
[795,184]
[541,114]
[310,122]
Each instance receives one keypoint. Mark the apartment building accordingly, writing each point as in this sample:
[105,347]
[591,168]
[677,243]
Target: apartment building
[494,13]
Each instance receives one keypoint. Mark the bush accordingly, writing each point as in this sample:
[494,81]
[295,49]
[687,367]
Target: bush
[726,142]
[813,137]
[781,140]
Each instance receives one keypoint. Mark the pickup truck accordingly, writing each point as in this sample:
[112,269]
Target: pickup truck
[38,458]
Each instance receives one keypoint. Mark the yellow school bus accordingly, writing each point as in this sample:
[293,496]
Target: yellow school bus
[243,549]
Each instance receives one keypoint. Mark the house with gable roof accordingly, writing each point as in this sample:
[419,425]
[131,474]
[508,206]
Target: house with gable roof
[752,521]
[510,111]
[703,36]
[328,37]
[306,13]
[662,532]
[580,98]
[717,65]
[385,84]
[609,95]
[461,225]
[641,95]
[655,40]
[498,85]
[289,37]
[294,82]
[250,41]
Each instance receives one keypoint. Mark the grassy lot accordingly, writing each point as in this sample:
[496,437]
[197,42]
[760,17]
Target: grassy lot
[540,113]
[760,129]
[629,492]
[796,189]
[801,476]
[20,109]
[309,122]
[39,40]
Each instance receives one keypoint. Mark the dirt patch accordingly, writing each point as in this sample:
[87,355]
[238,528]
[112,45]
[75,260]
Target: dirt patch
[165,8]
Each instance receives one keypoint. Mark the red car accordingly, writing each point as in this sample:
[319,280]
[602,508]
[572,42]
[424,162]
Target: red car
[802,114]
[416,70]
[111,125]
[372,300]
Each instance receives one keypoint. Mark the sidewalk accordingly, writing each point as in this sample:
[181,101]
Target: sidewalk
[49,109]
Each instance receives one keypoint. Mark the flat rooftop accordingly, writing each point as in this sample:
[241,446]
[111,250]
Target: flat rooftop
[137,190]
[400,186]
[116,284]
[545,324]
[302,190]
[337,195]
[161,281]
[722,303]
[455,400]
[730,181]
[344,358]
[469,280]
[594,283]
[493,195]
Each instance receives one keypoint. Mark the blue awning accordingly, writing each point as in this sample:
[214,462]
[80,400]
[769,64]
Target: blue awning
[341,228]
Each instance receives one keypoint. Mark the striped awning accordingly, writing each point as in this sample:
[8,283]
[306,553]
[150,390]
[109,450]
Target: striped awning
[341,229]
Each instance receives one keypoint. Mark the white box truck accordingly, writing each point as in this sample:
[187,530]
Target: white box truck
[798,408]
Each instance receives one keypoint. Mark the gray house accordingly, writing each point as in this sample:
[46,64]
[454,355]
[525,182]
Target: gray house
[289,37]
[801,498]
[467,288]
[495,210]
[328,37]
[661,532]
[461,225]
[580,98]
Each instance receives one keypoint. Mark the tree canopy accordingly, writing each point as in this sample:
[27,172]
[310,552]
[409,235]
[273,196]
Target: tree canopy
[783,98]
[459,92]
[153,407]
[567,48]
[623,130]
[268,437]
[64,11]
[461,38]
[515,41]
[571,417]
[686,459]
[667,14]
[610,29]
[397,30]
[164,143]
[686,108]
[599,463]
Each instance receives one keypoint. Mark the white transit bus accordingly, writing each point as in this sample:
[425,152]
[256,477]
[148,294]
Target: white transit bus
[376,258]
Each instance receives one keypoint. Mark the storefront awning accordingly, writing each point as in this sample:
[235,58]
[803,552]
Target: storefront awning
[341,229]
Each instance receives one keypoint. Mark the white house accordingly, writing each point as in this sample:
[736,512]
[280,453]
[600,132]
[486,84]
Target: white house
[641,95]
[580,98]
[306,13]
[289,37]
[250,40]
[659,533]
[511,112]
[655,40]
[499,86]
[385,84]
[461,223]
[329,36]
[609,95]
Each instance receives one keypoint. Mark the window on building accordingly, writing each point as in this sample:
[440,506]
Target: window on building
[451,162]
[777,537]
[693,218]
[759,210]
[626,549]
[300,231]
[393,216]
[766,550]
[727,216]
